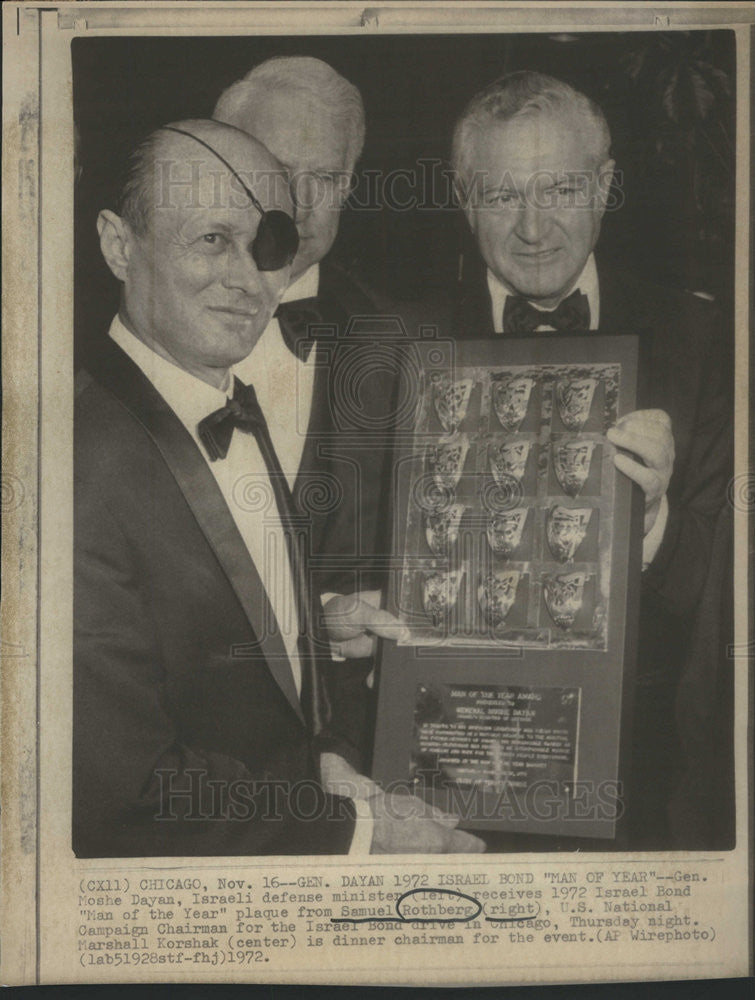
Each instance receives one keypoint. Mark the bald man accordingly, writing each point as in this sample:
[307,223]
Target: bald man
[200,677]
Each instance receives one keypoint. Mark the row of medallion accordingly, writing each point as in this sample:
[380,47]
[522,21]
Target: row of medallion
[510,399]
[563,594]
[512,464]
[565,530]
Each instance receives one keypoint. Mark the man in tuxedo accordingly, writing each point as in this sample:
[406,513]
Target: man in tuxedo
[200,673]
[312,120]
[533,171]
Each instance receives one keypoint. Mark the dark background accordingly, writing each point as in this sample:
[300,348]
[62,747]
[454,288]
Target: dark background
[699,989]
[668,96]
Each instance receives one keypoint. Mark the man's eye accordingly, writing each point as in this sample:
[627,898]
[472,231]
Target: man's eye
[214,240]
[503,199]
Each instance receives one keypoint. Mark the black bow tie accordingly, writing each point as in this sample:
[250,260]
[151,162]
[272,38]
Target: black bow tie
[215,432]
[242,411]
[521,318]
[295,320]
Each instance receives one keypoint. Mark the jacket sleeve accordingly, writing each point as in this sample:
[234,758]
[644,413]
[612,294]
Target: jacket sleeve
[698,488]
[351,728]
[138,789]
[356,549]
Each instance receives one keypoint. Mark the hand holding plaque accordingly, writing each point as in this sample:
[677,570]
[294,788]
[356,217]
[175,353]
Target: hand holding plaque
[354,626]
[513,540]
[646,433]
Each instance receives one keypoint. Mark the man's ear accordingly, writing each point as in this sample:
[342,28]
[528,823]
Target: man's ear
[116,242]
[465,196]
[345,184]
[604,180]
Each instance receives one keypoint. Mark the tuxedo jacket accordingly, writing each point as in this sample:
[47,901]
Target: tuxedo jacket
[344,478]
[344,473]
[188,735]
[685,369]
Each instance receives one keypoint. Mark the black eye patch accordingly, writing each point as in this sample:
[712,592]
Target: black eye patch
[276,241]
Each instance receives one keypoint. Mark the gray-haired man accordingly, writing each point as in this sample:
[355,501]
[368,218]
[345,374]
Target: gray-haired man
[534,168]
[312,120]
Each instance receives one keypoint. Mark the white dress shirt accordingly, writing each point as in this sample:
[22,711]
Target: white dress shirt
[283,382]
[242,477]
[587,283]
[243,480]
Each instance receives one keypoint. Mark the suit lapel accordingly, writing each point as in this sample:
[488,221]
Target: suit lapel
[624,310]
[198,485]
[321,425]
[474,318]
[617,308]
[320,417]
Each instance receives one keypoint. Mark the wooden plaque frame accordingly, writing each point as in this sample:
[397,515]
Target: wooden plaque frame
[509,704]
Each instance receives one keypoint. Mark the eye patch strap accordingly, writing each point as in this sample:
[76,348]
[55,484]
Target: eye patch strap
[276,242]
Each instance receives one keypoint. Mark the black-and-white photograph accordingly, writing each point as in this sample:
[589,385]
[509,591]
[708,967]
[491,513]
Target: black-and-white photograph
[376,493]
[283,247]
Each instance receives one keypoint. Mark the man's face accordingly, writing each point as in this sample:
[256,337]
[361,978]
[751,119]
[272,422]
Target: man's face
[192,286]
[538,202]
[314,148]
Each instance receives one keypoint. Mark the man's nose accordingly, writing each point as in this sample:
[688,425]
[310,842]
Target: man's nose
[241,272]
[533,222]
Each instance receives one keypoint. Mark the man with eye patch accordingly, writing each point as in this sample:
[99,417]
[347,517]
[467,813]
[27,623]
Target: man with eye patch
[201,704]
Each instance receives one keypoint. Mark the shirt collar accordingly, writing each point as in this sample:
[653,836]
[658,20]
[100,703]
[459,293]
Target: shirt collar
[305,287]
[190,398]
[271,352]
[586,283]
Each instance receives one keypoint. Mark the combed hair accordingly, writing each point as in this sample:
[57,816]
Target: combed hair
[136,197]
[519,95]
[302,75]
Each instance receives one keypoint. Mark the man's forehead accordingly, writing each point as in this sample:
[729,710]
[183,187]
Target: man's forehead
[203,183]
[299,131]
[539,141]
[191,143]
[190,217]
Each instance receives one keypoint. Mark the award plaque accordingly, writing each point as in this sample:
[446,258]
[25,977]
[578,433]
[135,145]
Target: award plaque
[517,550]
